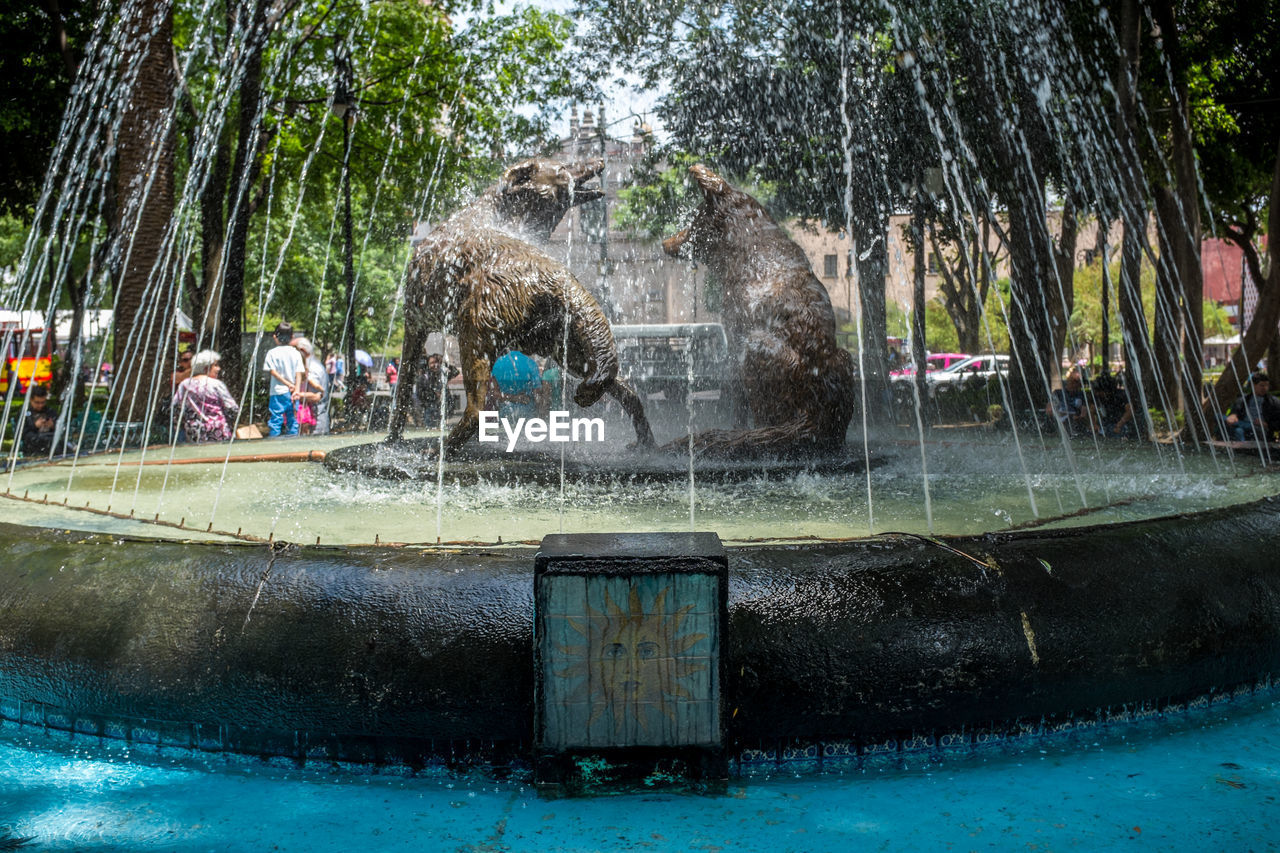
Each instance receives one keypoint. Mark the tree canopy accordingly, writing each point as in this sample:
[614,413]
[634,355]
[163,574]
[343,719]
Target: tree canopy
[438,95]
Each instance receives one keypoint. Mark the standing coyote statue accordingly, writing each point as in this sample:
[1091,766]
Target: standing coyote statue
[797,381]
[478,274]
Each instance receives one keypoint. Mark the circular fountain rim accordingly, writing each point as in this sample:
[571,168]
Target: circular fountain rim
[385,653]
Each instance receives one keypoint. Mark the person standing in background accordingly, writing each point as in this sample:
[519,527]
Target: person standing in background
[183,371]
[315,389]
[284,365]
[204,407]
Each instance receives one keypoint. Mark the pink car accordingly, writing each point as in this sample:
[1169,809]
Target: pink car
[933,361]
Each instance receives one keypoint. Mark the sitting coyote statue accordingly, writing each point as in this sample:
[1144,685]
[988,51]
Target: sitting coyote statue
[478,274]
[797,381]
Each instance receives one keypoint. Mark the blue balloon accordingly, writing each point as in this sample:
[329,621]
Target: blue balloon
[516,373]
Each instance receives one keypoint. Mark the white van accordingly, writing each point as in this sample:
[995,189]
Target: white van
[656,359]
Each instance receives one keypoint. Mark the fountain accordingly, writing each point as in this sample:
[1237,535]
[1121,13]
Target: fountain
[335,599]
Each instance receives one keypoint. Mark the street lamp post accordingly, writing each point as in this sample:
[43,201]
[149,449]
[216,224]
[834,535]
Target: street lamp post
[344,107]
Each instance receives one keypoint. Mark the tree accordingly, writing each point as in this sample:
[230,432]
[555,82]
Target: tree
[1205,83]
[659,198]
[847,108]
[1232,78]
[145,187]
[426,100]
[35,83]
[206,143]
[966,278]
[1087,316]
[37,70]
[754,92]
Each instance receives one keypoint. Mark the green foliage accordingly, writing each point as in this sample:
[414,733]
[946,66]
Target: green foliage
[437,107]
[443,93]
[660,196]
[1217,322]
[940,332]
[1160,420]
[1086,317]
[311,274]
[898,321]
[34,82]
[752,86]
[659,199]
[1230,61]
[13,236]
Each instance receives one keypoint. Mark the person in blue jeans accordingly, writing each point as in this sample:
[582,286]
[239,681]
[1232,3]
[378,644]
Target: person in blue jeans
[284,365]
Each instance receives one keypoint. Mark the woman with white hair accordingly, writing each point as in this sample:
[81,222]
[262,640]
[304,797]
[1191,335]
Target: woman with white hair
[205,407]
[313,396]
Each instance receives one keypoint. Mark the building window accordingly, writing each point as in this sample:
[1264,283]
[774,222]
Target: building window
[829,266]
[934,267]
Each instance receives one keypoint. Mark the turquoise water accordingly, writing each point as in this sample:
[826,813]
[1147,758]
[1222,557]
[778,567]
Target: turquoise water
[1205,779]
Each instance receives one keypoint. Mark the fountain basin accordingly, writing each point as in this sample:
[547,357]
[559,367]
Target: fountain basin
[400,654]
[415,460]
[975,485]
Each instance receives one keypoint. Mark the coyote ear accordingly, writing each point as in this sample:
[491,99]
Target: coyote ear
[520,172]
[711,183]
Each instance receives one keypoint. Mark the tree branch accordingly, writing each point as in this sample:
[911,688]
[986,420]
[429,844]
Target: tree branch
[306,36]
[1243,239]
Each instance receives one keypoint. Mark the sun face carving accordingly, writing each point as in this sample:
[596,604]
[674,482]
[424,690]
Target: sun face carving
[631,665]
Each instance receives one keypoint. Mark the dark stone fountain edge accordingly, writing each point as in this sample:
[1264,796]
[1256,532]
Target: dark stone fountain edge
[398,654]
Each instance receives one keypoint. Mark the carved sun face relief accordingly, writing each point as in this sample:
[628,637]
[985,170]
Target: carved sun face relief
[634,666]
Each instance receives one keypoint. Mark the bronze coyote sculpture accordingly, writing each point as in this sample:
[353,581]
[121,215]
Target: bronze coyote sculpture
[798,383]
[478,274]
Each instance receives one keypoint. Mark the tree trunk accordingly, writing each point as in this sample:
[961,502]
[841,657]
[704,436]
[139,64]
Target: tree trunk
[1062,303]
[348,264]
[917,301]
[1169,327]
[244,176]
[145,185]
[960,296]
[1139,367]
[983,264]
[1261,334]
[208,297]
[1030,338]
[873,266]
[71,380]
[1104,228]
[1184,238]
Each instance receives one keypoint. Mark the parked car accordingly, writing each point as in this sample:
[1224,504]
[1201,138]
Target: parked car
[934,361]
[972,370]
